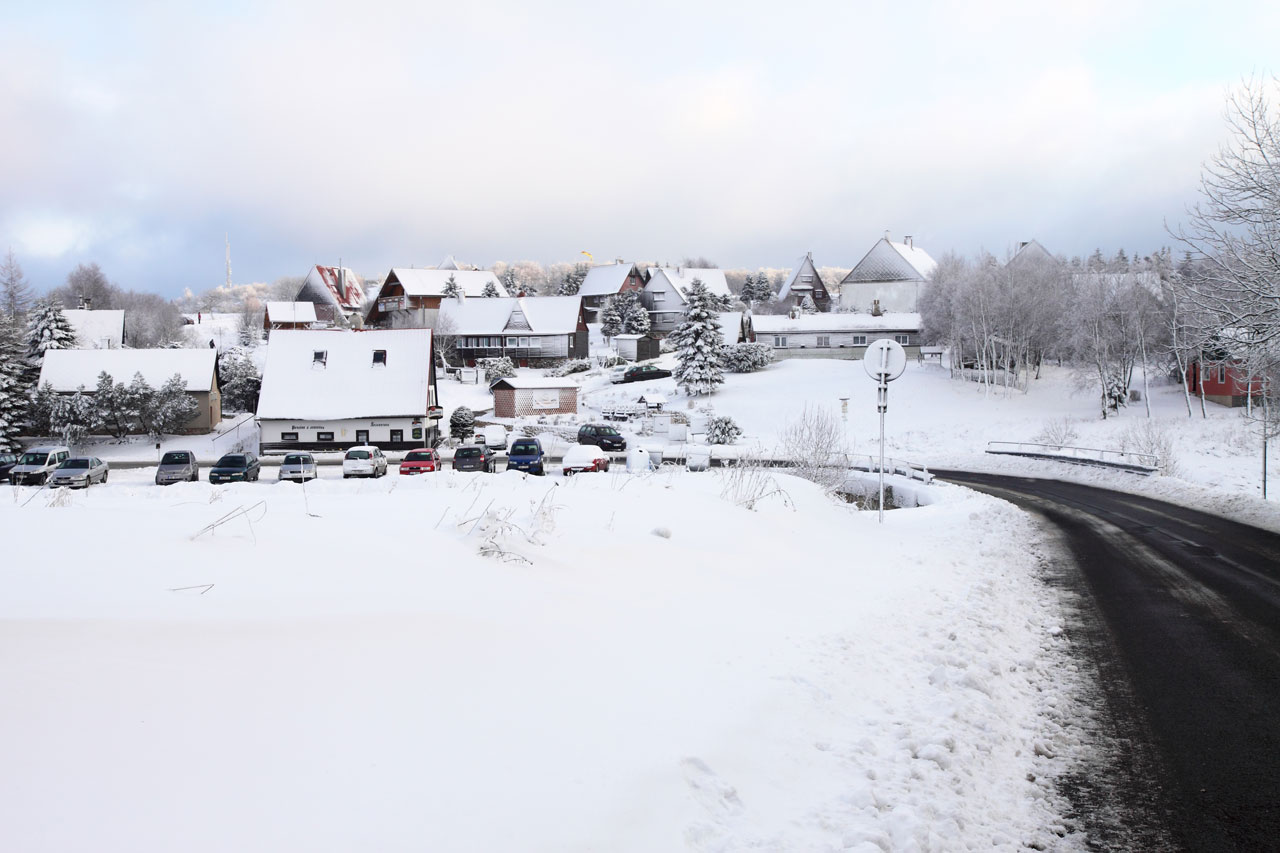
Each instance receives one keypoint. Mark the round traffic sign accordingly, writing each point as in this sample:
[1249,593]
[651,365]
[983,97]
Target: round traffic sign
[885,360]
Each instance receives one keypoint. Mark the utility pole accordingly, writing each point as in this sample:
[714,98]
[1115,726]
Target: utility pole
[228,238]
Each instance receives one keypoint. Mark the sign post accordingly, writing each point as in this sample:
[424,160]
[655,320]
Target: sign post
[884,362]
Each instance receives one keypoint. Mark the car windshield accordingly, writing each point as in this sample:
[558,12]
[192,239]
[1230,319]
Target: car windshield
[467,452]
[6,458]
[34,459]
[75,463]
[175,458]
[296,459]
[524,447]
[233,461]
[357,454]
[418,456]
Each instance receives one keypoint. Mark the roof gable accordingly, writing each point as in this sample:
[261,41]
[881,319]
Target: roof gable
[427,283]
[606,279]
[346,383]
[333,286]
[544,315]
[802,268]
[681,278]
[889,261]
[96,329]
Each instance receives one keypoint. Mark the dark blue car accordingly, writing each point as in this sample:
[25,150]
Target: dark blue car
[525,455]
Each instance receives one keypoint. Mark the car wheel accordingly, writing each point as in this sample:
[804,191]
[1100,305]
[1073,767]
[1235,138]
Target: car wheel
[104,476]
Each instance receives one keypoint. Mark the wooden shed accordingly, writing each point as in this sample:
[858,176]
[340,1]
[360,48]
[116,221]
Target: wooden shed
[519,397]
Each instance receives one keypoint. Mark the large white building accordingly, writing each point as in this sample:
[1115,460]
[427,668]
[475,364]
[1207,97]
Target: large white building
[665,293]
[889,278]
[330,390]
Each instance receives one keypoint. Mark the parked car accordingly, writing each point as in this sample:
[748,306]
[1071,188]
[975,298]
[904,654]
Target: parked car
[474,457]
[584,457]
[637,373]
[298,467]
[79,472]
[364,461]
[7,461]
[526,455]
[420,461]
[493,436]
[36,464]
[602,436]
[235,466]
[177,466]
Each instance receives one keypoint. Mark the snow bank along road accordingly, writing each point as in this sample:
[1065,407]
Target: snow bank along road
[1190,611]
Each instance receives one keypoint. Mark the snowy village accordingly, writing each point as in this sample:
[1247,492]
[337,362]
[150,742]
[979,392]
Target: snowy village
[932,525]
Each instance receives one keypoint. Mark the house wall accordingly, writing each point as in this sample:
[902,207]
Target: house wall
[894,296]
[664,303]
[344,433]
[805,344]
[523,402]
[1224,384]
[549,347]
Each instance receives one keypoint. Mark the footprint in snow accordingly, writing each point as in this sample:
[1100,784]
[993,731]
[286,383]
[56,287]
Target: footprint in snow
[716,796]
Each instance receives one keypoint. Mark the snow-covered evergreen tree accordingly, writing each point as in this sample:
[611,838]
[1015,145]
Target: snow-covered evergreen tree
[13,397]
[490,291]
[72,417]
[170,407]
[722,430]
[635,317]
[48,328]
[40,410]
[461,422]
[113,408]
[610,319]
[452,290]
[508,279]
[698,342]
[572,281]
[239,380]
[807,305]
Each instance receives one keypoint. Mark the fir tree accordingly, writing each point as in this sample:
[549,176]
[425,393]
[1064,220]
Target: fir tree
[15,293]
[635,317]
[239,380]
[451,288]
[170,407]
[113,411]
[807,305]
[572,281]
[508,279]
[490,290]
[13,397]
[48,328]
[611,319]
[698,341]
[72,417]
[461,422]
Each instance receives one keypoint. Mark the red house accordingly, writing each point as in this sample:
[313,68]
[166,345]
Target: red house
[1224,382]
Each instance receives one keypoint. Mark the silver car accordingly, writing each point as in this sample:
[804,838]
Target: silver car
[177,466]
[298,467]
[79,472]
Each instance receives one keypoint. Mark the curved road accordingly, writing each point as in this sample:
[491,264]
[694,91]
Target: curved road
[1181,617]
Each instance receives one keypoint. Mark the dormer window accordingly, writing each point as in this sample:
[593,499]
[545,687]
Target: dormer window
[320,358]
[379,358]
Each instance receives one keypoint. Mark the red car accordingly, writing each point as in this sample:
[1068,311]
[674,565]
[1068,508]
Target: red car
[420,462]
[581,458]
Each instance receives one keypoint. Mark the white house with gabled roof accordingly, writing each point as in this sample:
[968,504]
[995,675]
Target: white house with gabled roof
[334,389]
[531,330]
[889,278]
[410,297]
[664,295]
[837,335]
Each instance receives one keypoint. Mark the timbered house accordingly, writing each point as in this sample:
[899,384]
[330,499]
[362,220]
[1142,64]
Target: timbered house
[410,298]
[529,330]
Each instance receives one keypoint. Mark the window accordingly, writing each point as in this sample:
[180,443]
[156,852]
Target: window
[1222,373]
[534,343]
[362,436]
[397,436]
[524,342]
[319,358]
[902,339]
[288,436]
[824,341]
[659,296]
[859,340]
[379,358]
[779,341]
[324,436]
[513,342]
[806,278]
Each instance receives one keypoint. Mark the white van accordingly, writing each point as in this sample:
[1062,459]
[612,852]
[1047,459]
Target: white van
[494,436]
[37,463]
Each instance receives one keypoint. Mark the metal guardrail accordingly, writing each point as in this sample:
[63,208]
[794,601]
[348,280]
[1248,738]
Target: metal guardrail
[1125,460]
[912,470]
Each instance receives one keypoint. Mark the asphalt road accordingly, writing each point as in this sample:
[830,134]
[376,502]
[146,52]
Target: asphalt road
[1181,622]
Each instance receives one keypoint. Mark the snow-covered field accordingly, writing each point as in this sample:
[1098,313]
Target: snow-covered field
[613,662]
[641,664]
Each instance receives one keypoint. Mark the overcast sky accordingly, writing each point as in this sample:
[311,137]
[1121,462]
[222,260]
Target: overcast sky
[391,134]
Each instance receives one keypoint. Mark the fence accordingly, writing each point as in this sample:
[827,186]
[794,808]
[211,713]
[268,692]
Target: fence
[1125,460]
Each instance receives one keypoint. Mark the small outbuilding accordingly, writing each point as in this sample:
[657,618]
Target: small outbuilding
[637,347]
[515,397]
[289,315]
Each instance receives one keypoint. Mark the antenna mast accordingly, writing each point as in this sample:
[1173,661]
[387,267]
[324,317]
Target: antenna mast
[228,238]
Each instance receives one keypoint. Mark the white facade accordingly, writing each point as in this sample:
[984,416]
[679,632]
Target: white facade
[346,432]
[891,275]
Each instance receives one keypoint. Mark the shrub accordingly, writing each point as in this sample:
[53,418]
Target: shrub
[576,365]
[722,430]
[497,368]
[747,358]
[1059,433]
[1151,437]
[461,422]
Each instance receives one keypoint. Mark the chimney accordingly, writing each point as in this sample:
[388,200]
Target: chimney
[342,281]
[809,255]
[875,308]
[886,234]
[907,240]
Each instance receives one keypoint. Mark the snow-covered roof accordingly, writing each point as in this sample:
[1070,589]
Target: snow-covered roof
[543,315]
[333,286]
[605,280]
[448,264]
[291,312]
[534,382]
[420,282]
[730,326]
[682,278]
[1031,251]
[897,322]
[348,384]
[96,329]
[890,261]
[802,265]
[68,369]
